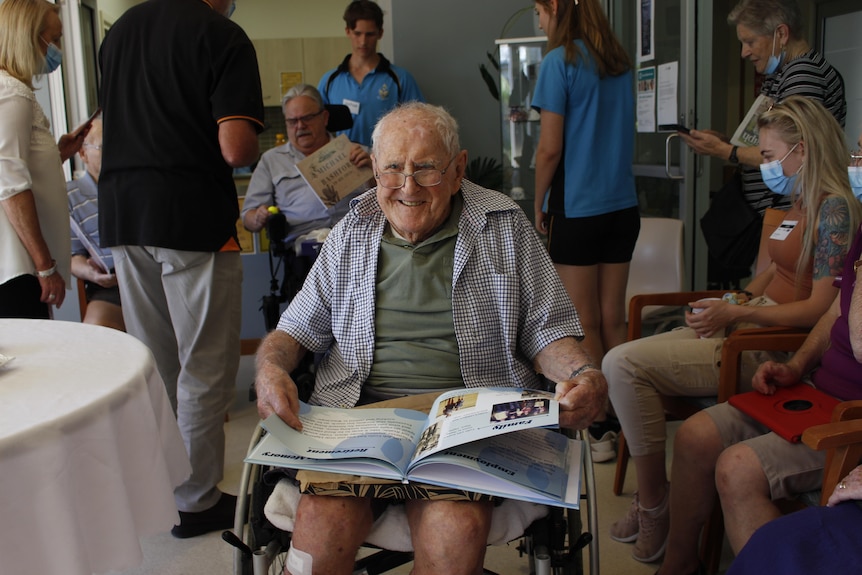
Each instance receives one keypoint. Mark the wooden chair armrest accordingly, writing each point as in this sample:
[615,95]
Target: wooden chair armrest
[680,298]
[832,435]
[843,442]
[847,410]
[765,339]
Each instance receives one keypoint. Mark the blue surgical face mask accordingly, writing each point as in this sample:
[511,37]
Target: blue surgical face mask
[774,178]
[53,57]
[855,173]
[774,61]
[231,10]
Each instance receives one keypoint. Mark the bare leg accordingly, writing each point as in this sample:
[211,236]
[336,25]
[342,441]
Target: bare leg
[105,313]
[448,536]
[652,478]
[582,285]
[331,529]
[612,282]
[697,447]
[745,494]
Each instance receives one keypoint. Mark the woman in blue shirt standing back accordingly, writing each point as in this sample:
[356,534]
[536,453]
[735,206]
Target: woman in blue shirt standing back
[584,162]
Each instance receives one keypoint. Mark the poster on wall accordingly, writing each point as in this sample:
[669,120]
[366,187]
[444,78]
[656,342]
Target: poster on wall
[646,31]
[646,100]
[288,80]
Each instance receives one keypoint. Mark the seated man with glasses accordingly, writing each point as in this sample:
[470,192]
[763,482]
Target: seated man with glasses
[277,182]
[430,282]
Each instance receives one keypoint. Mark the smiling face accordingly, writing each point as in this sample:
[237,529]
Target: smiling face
[411,143]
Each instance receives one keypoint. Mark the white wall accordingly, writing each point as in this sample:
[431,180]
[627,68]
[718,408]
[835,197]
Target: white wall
[843,49]
[302,19]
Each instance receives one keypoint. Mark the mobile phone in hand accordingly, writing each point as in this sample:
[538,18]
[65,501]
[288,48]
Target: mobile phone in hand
[674,128]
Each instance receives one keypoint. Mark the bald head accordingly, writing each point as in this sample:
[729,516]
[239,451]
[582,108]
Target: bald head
[91,151]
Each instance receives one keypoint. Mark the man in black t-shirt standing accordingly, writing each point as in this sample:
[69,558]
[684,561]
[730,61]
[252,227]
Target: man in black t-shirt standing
[182,106]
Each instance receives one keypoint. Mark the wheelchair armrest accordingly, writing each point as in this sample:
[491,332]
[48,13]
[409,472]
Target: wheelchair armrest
[777,338]
[638,302]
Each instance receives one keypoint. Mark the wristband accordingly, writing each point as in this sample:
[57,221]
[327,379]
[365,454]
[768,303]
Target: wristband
[48,272]
[581,370]
[733,159]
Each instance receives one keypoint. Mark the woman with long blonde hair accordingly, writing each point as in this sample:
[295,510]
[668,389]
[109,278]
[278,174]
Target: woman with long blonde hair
[803,155]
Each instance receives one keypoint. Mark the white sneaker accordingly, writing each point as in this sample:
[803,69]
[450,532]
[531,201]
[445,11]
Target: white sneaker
[604,448]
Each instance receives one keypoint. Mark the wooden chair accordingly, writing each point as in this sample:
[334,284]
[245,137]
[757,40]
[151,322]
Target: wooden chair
[842,438]
[678,408]
[82,298]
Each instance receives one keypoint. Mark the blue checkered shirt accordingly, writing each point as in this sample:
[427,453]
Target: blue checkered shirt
[507,300]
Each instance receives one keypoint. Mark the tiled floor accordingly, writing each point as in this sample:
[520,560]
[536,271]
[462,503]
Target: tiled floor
[209,555]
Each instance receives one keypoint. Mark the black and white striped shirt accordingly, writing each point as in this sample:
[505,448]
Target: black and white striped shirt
[811,76]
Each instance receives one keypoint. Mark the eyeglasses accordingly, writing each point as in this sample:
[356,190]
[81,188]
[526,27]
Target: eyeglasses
[292,122]
[425,178]
[93,146]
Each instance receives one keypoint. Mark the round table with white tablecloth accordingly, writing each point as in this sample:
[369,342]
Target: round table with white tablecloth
[90,451]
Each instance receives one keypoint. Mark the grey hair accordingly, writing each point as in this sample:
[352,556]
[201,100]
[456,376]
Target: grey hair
[442,121]
[764,16]
[302,90]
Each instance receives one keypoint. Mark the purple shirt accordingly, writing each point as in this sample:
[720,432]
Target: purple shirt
[840,374]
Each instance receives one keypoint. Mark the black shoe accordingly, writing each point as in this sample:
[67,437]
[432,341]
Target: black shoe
[219,516]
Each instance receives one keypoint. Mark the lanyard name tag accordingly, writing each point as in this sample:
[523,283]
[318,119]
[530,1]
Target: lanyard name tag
[782,231]
[352,105]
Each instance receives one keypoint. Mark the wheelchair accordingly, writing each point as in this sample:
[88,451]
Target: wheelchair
[552,544]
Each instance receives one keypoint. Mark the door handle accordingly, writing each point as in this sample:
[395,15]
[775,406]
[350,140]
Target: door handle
[667,158]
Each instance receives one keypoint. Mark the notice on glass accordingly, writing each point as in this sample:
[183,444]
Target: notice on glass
[646,99]
[668,80]
[331,174]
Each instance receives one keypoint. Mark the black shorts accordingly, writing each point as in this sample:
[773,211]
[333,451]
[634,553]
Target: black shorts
[604,239]
[95,292]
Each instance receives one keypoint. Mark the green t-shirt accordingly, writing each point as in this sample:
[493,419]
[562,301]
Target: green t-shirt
[415,345]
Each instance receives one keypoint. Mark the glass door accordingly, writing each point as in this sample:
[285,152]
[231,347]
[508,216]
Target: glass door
[660,38]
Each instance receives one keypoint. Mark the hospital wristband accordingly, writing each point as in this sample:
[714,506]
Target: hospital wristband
[48,272]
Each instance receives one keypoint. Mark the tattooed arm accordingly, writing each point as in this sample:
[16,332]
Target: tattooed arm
[833,236]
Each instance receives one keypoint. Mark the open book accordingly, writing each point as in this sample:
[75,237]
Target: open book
[495,441]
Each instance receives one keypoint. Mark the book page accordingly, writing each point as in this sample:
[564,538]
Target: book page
[746,134]
[331,174]
[539,465]
[465,415]
[335,434]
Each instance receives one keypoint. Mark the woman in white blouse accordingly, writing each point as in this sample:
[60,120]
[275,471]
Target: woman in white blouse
[34,222]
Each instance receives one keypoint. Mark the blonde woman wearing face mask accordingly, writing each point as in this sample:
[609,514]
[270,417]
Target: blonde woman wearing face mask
[34,221]
[722,451]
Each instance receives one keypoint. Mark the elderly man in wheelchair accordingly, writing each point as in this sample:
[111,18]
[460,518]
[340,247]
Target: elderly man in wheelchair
[279,199]
[428,283]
